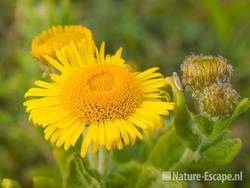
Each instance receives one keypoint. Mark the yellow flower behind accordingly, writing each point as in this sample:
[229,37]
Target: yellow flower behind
[97,96]
[51,40]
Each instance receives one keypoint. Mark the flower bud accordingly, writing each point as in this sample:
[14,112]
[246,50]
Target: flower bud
[200,71]
[218,99]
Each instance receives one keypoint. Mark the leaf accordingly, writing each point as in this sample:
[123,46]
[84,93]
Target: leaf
[61,158]
[78,174]
[185,129]
[139,153]
[220,125]
[224,122]
[152,177]
[241,107]
[217,155]
[166,151]
[185,160]
[9,183]
[124,175]
[136,175]
[45,182]
[213,140]
[204,124]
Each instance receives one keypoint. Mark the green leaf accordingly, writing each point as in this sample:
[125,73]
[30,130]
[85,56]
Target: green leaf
[166,151]
[204,124]
[185,160]
[136,175]
[220,125]
[217,155]
[78,174]
[213,140]
[61,158]
[124,175]
[45,182]
[224,122]
[185,129]
[152,177]
[138,153]
[241,107]
[9,183]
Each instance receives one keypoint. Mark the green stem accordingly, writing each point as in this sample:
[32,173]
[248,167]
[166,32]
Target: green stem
[92,159]
[186,158]
[103,161]
[100,160]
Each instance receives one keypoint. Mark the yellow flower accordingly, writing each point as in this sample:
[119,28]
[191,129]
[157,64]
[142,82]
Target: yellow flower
[97,96]
[51,40]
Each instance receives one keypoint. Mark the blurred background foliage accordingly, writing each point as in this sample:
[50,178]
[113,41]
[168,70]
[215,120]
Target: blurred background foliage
[152,33]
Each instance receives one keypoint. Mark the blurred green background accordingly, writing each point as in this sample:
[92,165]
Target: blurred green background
[152,33]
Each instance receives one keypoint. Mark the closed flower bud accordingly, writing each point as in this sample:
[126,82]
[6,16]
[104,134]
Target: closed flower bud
[201,71]
[218,99]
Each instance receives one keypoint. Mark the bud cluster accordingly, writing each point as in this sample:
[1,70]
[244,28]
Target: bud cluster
[208,78]
[202,71]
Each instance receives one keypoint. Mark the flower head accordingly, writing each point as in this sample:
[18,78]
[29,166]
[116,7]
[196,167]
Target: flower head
[201,71]
[51,40]
[218,99]
[98,96]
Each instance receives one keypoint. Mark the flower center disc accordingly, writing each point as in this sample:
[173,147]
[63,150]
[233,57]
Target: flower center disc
[102,81]
[101,92]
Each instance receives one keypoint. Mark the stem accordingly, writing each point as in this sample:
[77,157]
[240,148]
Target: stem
[109,161]
[103,161]
[186,158]
[92,159]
